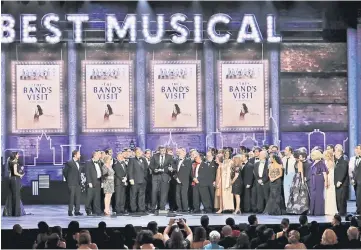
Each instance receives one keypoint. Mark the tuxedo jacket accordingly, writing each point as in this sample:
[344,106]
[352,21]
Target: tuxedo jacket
[91,173]
[184,173]
[264,176]
[120,171]
[206,175]
[253,160]
[355,170]
[72,174]
[138,170]
[341,172]
[155,164]
[247,174]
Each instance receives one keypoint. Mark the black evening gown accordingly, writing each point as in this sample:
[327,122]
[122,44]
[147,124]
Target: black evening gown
[275,204]
[13,205]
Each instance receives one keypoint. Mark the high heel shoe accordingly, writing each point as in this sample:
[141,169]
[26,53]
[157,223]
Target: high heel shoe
[106,213]
[219,212]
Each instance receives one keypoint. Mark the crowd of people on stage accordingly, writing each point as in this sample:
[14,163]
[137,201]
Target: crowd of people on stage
[259,180]
[179,235]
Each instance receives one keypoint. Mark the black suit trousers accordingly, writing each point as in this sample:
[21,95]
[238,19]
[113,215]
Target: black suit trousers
[137,193]
[93,200]
[182,196]
[74,198]
[120,192]
[358,198]
[341,199]
[247,200]
[161,188]
[206,197]
[262,196]
[201,193]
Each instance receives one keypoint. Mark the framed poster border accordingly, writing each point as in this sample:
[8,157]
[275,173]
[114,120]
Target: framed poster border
[199,127]
[266,97]
[84,63]
[14,129]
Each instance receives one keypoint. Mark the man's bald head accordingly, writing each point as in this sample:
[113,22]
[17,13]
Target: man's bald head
[226,231]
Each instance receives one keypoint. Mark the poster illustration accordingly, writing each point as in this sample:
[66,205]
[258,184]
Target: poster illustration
[37,97]
[243,95]
[107,96]
[176,99]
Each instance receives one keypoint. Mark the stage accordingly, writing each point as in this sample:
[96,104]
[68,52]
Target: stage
[56,215]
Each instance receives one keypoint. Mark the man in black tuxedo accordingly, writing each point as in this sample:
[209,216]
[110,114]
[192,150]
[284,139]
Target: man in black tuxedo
[256,152]
[261,182]
[93,176]
[161,166]
[148,190]
[355,170]
[182,175]
[211,180]
[120,183]
[137,173]
[202,178]
[341,182]
[248,180]
[72,174]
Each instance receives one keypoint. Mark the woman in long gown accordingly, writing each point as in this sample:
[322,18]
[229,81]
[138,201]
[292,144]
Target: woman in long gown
[275,204]
[318,178]
[224,184]
[330,194]
[13,206]
[299,199]
[237,182]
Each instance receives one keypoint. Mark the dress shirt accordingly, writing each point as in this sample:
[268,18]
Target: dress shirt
[358,160]
[97,168]
[179,164]
[261,168]
[77,164]
[161,160]
[197,168]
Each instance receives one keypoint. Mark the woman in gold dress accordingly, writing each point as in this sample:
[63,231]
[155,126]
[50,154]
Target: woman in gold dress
[224,196]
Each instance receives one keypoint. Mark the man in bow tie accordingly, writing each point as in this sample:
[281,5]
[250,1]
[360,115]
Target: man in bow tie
[120,183]
[161,166]
[183,175]
[72,174]
[355,176]
[137,173]
[341,181]
[93,176]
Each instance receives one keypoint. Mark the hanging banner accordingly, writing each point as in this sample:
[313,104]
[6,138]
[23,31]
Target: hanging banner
[107,96]
[37,97]
[176,98]
[243,96]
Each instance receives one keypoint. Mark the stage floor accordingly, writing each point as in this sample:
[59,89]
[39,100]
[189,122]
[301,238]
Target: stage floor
[56,215]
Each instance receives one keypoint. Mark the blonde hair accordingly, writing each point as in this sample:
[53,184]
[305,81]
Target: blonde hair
[237,160]
[329,237]
[316,155]
[327,155]
[294,237]
[107,158]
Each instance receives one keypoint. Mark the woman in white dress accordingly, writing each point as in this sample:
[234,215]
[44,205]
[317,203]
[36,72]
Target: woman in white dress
[330,192]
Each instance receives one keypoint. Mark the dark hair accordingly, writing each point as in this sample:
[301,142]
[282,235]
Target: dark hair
[220,158]
[290,149]
[177,108]
[314,228]
[84,238]
[53,241]
[110,109]
[107,151]
[275,146]
[252,219]
[245,155]
[242,148]
[245,108]
[74,152]
[117,240]
[303,219]
[177,239]
[40,110]
[145,237]
[338,218]
[268,233]
[265,147]
[129,232]
[153,226]
[230,222]
[242,227]
[73,227]
[285,222]
[200,234]
[260,230]
[276,158]
[13,155]
[257,149]
[43,227]
[242,242]
[102,225]
[205,221]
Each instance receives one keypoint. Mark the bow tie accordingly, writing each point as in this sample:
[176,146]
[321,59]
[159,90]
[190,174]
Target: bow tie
[257,159]
[358,157]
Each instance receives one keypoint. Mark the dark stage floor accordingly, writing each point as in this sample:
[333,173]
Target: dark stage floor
[56,215]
